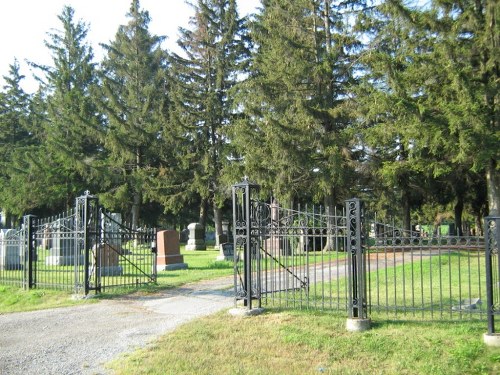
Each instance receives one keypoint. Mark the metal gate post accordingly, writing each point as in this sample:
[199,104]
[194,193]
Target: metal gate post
[29,252]
[357,314]
[492,240]
[88,233]
[242,235]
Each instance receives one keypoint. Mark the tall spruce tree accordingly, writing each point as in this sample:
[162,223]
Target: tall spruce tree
[466,82]
[14,136]
[202,79]
[389,102]
[295,137]
[73,127]
[134,99]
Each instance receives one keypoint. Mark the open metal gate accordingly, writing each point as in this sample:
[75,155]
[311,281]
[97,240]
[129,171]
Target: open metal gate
[297,258]
[311,258]
[84,249]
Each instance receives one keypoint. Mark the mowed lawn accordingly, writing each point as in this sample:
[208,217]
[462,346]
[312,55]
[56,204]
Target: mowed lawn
[301,342]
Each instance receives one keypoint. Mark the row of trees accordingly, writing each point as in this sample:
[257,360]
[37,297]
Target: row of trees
[313,99]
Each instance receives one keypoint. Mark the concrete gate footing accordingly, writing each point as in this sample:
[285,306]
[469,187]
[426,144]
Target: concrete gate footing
[357,324]
[492,339]
[242,311]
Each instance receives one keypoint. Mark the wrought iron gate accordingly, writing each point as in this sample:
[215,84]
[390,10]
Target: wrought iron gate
[297,258]
[342,260]
[84,249]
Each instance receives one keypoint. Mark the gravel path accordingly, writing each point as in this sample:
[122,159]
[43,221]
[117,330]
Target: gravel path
[80,339]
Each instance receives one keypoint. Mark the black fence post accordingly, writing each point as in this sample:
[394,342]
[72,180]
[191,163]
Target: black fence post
[245,286]
[492,239]
[87,211]
[29,252]
[357,314]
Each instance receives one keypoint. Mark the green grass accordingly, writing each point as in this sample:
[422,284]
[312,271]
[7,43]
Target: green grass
[13,299]
[428,286]
[434,283]
[302,342]
[202,265]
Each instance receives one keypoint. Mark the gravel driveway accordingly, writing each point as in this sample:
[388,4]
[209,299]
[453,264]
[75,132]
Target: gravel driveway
[80,339]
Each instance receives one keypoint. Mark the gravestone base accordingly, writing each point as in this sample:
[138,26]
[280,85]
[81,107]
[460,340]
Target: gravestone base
[196,245]
[110,270]
[62,260]
[10,266]
[172,267]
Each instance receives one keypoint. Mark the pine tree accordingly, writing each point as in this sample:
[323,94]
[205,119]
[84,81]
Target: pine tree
[465,89]
[14,134]
[295,139]
[203,77]
[73,126]
[134,99]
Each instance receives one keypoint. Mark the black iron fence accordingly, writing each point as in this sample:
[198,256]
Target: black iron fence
[84,249]
[309,257]
[430,276]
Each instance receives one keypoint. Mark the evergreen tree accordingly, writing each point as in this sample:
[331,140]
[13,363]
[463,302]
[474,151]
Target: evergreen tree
[203,77]
[73,126]
[464,89]
[134,99]
[14,134]
[295,138]
[389,101]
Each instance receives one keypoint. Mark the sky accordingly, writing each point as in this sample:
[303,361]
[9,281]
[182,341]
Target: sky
[24,25]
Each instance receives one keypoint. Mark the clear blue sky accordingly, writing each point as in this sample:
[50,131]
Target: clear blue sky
[24,25]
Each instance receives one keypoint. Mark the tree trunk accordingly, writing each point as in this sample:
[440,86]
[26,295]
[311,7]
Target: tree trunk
[203,212]
[459,207]
[405,200]
[330,209]
[493,188]
[218,224]
[136,208]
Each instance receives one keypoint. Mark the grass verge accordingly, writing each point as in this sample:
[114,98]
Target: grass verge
[314,343]
[13,299]
[202,266]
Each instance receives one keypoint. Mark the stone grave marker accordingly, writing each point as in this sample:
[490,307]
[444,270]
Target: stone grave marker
[196,239]
[226,251]
[169,253]
[10,250]
[63,245]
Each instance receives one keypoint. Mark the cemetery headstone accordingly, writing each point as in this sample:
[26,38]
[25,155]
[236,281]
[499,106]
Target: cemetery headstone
[63,244]
[226,251]
[107,254]
[10,250]
[196,239]
[107,258]
[169,253]
[184,235]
